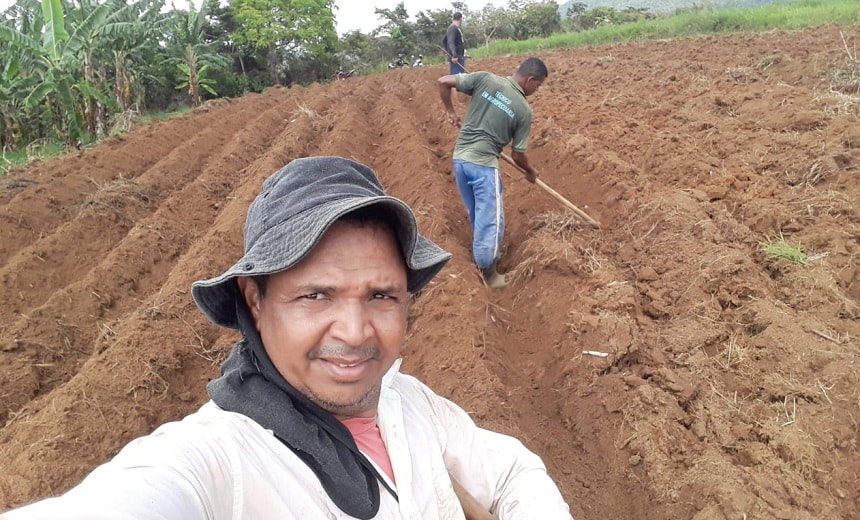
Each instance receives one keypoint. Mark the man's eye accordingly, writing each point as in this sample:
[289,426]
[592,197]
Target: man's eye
[313,296]
[381,296]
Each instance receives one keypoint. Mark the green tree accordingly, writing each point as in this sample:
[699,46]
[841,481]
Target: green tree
[398,27]
[245,74]
[430,28]
[597,17]
[491,23]
[289,32]
[539,19]
[576,9]
[358,51]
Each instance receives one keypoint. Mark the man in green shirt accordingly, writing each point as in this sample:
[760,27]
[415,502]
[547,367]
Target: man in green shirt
[498,114]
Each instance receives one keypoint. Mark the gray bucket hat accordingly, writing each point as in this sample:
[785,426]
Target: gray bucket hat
[295,207]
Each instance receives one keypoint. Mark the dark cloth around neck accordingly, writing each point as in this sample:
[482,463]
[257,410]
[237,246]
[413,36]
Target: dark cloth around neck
[252,386]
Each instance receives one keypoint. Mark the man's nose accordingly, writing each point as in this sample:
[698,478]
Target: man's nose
[351,323]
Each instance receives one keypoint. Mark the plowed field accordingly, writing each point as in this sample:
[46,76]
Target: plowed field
[731,388]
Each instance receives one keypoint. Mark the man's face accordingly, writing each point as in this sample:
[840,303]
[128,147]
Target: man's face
[335,323]
[532,85]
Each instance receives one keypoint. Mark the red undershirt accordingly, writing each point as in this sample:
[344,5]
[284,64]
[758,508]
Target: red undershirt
[366,433]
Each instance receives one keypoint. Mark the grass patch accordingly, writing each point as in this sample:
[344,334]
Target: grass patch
[767,61]
[131,118]
[46,149]
[778,248]
[9,160]
[689,23]
[151,117]
[35,151]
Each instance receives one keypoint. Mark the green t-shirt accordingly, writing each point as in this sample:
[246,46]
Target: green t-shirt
[498,113]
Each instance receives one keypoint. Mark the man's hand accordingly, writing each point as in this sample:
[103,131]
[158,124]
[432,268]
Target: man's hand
[455,59]
[454,119]
[531,175]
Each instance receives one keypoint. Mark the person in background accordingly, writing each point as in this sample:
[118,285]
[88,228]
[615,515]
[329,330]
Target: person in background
[498,114]
[454,45]
[311,416]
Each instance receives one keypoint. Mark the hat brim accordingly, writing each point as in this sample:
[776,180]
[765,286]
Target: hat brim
[285,244]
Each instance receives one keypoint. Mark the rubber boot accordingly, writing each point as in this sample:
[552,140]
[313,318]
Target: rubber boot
[493,278]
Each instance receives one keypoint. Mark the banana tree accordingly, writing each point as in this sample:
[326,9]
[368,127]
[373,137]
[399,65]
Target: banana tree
[58,66]
[115,34]
[192,53]
[13,89]
[16,81]
[132,38]
[195,79]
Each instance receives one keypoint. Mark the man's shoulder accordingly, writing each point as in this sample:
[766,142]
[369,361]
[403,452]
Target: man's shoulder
[481,76]
[207,434]
[209,423]
[408,383]
[414,391]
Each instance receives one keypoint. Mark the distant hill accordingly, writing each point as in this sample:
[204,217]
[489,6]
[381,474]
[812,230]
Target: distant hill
[665,6]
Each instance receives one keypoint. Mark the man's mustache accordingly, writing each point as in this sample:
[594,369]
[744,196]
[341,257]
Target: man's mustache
[346,351]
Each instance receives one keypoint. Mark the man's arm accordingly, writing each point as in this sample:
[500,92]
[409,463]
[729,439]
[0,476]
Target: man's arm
[523,162]
[158,476]
[504,476]
[451,42]
[141,493]
[446,84]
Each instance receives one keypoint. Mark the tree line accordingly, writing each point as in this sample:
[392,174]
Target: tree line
[70,68]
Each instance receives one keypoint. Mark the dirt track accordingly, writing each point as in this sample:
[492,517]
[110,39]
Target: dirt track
[732,385]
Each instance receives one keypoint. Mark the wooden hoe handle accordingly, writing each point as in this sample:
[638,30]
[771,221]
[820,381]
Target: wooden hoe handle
[555,194]
[473,509]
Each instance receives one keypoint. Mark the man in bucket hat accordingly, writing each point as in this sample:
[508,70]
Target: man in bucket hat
[311,417]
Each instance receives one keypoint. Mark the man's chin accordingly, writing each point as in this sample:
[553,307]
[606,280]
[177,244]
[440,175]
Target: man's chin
[350,405]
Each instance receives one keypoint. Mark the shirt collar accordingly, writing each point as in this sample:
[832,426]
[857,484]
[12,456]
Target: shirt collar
[516,85]
[388,378]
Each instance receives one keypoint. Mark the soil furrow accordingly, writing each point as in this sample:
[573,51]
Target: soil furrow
[668,358]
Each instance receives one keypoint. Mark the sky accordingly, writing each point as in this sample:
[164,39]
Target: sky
[359,15]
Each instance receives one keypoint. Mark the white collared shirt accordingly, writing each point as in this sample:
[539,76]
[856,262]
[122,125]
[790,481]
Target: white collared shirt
[215,465]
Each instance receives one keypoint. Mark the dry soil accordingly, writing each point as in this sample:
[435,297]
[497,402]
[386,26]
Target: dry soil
[731,387]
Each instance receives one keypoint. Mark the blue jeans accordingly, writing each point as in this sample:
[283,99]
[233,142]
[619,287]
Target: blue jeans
[481,190]
[459,67]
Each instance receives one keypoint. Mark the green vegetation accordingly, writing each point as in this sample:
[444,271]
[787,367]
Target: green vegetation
[766,61]
[162,115]
[778,248]
[75,71]
[45,150]
[12,159]
[35,151]
[693,22]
